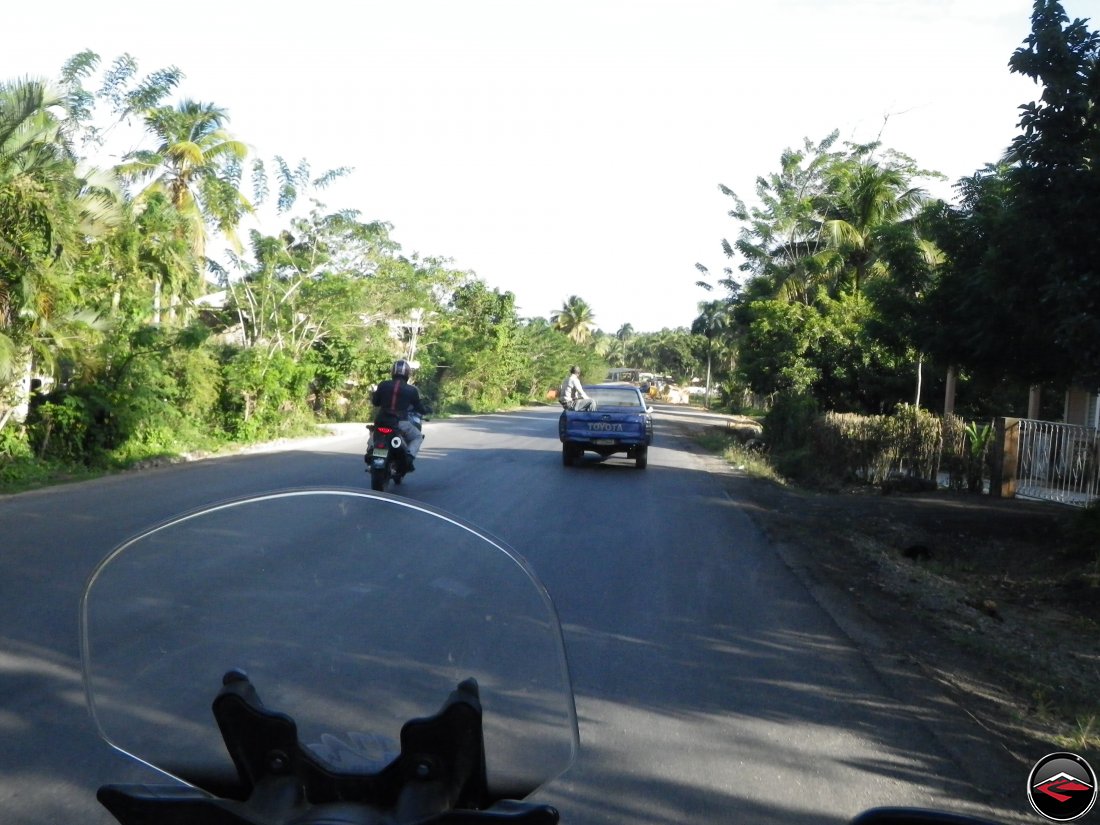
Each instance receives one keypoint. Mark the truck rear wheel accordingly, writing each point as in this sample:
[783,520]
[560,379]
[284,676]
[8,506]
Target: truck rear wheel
[641,457]
[567,455]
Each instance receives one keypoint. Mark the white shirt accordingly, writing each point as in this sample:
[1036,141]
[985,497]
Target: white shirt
[572,388]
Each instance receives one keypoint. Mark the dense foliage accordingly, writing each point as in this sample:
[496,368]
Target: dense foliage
[856,288]
[185,295]
[137,320]
[1024,249]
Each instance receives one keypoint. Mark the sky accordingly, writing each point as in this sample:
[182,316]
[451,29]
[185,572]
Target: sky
[573,147]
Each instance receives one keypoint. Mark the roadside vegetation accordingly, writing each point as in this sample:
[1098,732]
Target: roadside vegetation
[190,297]
[187,296]
[853,297]
[851,287]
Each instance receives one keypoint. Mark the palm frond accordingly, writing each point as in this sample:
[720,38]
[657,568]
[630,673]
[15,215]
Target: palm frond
[8,359]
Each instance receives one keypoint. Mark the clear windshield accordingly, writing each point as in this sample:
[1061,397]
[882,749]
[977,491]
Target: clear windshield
[352,612]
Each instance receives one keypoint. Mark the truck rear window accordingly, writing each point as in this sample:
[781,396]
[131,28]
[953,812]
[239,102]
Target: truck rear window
[609,398]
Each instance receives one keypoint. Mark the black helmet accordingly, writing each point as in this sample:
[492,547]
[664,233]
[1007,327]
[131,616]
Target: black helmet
[401,369]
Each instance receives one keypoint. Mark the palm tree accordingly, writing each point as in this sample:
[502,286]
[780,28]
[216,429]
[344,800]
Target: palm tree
[869,202]
[780,240]
[35,168]
[575,319]
[196,166]
[49,211]
[713,321]
[612,349]
[148,259]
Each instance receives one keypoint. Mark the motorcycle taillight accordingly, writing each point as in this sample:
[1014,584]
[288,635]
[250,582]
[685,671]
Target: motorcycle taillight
[384,430]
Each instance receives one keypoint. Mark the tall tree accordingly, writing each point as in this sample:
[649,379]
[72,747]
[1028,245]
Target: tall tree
[327,275]
[575,319]
[1023,279]
[612,349]
[121,89]
[666,352]
[49,211]
[477,343]
[868,210]
[1051,256]
[964,322]
[145,256]
[780,339]
[780,240]
[196,165]
[713,321]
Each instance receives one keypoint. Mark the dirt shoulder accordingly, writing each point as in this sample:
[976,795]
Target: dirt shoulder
[979,594]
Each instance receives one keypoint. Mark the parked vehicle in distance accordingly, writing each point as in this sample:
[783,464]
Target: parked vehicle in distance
[620,421]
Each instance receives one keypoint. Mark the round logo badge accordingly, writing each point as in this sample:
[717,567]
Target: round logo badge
[1062,787]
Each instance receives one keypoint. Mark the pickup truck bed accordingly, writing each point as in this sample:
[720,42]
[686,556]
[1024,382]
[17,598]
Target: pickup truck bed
[619,423]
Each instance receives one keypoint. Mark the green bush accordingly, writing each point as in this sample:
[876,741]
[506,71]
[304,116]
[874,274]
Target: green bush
[149,393]
[802,465]
[27,472]
[265,395]
[966,453]
[60,429]
[164,404]
[19,467]
[788,425]
[14,444]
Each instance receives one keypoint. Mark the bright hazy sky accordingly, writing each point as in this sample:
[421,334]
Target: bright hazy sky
[574,146]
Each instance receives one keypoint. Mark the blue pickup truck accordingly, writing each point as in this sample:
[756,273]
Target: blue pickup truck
[620,422]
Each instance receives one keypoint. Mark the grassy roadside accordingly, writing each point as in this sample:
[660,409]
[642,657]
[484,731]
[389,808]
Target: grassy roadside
[752,462]
[1002,605]
[24,472]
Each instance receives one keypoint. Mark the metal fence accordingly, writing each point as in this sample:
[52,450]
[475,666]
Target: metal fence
[1058,462]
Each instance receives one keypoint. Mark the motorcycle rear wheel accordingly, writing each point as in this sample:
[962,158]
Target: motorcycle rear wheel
[378,476]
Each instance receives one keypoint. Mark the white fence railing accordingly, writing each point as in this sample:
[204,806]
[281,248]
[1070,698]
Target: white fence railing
[1058,462]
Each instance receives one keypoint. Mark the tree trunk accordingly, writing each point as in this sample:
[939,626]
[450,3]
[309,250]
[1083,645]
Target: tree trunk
[706,398]
[920,369]
[949,393]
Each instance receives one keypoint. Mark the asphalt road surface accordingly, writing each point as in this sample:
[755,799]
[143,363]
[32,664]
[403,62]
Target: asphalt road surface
[711,686]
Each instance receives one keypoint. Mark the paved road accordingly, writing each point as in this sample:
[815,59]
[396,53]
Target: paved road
[710,685]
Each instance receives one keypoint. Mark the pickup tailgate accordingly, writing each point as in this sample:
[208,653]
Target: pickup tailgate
[605,427]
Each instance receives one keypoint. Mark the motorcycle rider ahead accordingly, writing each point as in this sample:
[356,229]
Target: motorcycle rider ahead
[395,398]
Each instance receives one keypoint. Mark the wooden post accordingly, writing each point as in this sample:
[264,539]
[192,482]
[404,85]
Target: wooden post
[949,393]
[1006,457]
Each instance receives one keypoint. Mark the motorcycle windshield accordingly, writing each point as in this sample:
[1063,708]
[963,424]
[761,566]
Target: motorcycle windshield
[352,612]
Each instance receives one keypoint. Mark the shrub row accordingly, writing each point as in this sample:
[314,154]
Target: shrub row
[825,448]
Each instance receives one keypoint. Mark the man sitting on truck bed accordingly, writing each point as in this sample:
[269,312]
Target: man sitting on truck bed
[573,396]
